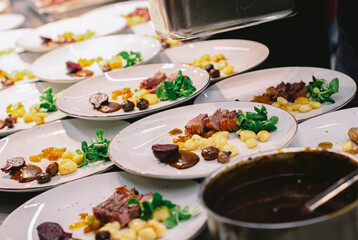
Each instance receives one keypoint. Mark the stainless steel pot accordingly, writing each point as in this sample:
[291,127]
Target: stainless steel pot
[339,225]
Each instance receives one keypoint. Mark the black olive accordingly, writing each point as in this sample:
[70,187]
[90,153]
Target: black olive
[52,169]
[142,103]
[209,67]
[43,177]
[127,106]
[103,235]
[210,153]
[214,73]
[224,157]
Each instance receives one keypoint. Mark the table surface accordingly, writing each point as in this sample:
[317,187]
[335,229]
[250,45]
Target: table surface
[10,201]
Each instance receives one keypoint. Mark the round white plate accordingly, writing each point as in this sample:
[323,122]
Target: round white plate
[246,86]
[66,133]
[75,100]
[331,127]
[131,149]
[8,39]
[79,25]
[64,203]
[51,66]
[3,6]
[15,62]
[10,20]
[29,95]
[242,54]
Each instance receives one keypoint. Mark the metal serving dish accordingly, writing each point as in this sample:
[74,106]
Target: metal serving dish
[340,222]
[194,18]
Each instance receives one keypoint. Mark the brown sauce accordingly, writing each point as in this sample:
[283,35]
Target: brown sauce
[184,160]
[26,174]
[110,107]
[275,189]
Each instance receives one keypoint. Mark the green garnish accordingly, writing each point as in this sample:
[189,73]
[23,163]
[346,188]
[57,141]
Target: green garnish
[48,101]
[131,58]
[176,213]
[97,151]
[256,121]
[7,51]
[180,87]
[321,91]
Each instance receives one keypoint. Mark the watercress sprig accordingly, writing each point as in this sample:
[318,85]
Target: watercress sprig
[48,101]
[321,91]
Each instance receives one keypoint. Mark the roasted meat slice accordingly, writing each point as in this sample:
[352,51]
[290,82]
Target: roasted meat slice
[214,121]
[196,125]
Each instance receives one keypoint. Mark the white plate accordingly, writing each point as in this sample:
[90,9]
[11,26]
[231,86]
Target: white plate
[51,66]
[64,203]
[79,25]
[10,20]
[242,54]
[131,149]
[245,86]
[75,100]
[3,6]
[29,94]
[15,62]
[8,39]
[65,133]
[331,127]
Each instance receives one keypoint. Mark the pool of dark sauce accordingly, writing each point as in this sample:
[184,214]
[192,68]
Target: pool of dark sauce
[266,197]
[183,160]
[26,174]
[110,107]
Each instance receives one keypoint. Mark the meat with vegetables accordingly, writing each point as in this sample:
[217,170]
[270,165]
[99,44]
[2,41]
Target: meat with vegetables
[151,84]
[115,208]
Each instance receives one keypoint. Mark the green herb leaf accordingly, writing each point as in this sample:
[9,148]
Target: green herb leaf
[321,91]
[133,201]
[48,101]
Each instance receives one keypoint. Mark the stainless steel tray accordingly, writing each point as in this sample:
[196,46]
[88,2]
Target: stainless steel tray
[193,18]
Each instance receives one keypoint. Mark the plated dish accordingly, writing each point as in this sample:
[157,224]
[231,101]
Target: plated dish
[65,31]
[75,101]
[136,141]
[8,41]
[248,85]
[52,67]
[10,20]
[26,96]
[330,128]
[65,203]
[241,54]
[53,141]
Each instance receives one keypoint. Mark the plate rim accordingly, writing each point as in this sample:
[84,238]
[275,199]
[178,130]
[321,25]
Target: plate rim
[181,177]
[138,114]
[16,25]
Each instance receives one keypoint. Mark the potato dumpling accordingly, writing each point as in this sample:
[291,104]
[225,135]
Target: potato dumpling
[302,100]
[247,134]
[315,105]
[282,101]
[303,108]
[190,145]
[205,142]
[205,57]
[152,98]
[129,234]
[231,148]
[222,64]
[161,213]
[78,159]
[147,233]
[68,155]
[113,228]
[263,136]
[137,224]
[251,143]
[27,117]
[228,70]
[215,58]
[158,227]
[276,104]
[221,56]
[295,106]
[220,141]
[347,146]
[67,166]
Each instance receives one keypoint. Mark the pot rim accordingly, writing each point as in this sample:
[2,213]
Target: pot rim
[287,225]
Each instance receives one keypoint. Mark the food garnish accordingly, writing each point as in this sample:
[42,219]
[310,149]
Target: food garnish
[97,151]
[209,63]
[181,87]
[321,91]
[131,58]
[67,37]
[48,100]
[257,121]
[7,51]
[139,15]
[9,79]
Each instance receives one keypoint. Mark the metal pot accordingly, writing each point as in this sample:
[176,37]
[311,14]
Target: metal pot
[341,224]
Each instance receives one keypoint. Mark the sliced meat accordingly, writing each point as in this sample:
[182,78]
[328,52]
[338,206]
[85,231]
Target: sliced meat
[225,124]
[154,81]
[115,208]
[214,121]
[196,125]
